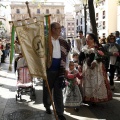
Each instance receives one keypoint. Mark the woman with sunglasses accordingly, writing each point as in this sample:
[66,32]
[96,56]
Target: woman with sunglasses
[96,87]
[113,54]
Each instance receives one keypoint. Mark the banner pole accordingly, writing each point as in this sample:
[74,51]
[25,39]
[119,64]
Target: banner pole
[28,8]
[12,47]
[47,85]
[46,79]
[48,46]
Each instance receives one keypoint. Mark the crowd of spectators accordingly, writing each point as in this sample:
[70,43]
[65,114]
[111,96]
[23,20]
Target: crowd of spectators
[4,50]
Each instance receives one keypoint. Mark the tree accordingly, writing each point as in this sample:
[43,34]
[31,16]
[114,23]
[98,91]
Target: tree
[118,2]
[92,16]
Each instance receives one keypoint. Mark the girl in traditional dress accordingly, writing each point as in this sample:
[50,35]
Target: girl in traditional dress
[72,95]
[96,87]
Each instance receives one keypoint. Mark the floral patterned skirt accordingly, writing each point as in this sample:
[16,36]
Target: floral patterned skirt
[72,96]
[96,87]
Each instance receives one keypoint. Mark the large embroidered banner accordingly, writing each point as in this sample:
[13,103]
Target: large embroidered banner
[31,36]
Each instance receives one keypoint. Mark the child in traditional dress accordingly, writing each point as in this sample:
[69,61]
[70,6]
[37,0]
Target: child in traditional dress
[72,94]
[75,59]
[79,76]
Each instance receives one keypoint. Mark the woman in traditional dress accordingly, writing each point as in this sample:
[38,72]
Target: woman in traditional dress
[96,87]
[72,95]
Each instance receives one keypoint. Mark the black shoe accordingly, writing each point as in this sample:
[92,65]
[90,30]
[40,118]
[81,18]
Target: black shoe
[61,117]
[48,111]
[76,109]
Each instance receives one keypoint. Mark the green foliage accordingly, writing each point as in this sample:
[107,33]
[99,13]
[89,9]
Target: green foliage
[96,1]
[118,2]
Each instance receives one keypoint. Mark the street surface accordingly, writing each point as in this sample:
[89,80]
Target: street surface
[10,109]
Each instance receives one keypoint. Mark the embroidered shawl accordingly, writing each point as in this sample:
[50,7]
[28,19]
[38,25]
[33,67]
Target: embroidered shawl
[65,48]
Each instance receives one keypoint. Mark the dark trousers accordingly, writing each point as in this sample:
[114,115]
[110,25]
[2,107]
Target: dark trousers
[3,56]
[57,92]
[111,76]
[118,71]
[15,66]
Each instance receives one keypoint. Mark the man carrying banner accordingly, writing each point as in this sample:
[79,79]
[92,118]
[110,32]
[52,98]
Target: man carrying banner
[56,71]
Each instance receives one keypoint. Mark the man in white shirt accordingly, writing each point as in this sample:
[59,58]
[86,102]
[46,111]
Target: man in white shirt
[56,71]
[81,41]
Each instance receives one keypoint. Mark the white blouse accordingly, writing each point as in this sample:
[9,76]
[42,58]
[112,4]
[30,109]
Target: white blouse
[113,58]
[56,48]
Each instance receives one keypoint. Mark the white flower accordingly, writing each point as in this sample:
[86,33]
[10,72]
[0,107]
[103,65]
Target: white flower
[87,50]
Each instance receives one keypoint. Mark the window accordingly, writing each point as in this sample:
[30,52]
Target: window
[47,11]
[18,11]
[81,21]
[68,23]
[38,11]
[103,14]
[103,34]
[96,24]
[69,29]
[58,11]
[103,24]
[96,16]
[81,28]
[77,28]
[77,22]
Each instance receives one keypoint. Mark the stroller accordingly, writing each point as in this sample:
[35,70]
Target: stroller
[24,81]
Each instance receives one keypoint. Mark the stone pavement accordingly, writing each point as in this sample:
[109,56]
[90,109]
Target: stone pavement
[10,109]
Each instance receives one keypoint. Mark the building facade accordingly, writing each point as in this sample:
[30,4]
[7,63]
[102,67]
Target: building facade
[70,25]
[80,19]
[106,17]
[107,13]
[4,31]
[18,11]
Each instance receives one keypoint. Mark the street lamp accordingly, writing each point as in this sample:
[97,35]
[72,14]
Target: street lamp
[85,15]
